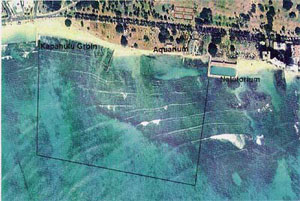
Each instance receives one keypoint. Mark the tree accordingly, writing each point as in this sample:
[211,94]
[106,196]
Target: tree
[124,41]
[174,31]
[146,38]
[95,4]
[119,28]
[180,39]
[217,39]
[68,22]
[232,48]
[205,17]
[297,30]
[163,35]
[261,7]
[253,8]
[206,14]
[53,5]
[270,14]
[292,14]
[287,4]
[212,49]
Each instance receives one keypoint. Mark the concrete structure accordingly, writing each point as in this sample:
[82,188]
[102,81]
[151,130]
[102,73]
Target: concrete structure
[220,63]
[279,46]
[266,55]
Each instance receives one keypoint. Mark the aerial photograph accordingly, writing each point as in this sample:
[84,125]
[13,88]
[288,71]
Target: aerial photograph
[150,100]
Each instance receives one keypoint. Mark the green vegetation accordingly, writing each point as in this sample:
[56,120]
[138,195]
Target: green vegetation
[287,4]
[124,41]
[297,30]
[292,14]
[53,5]
[68,22]
[163,35]
[146,38]
[205,17]
[270,15]
[212,49]
[261,7]
[119,28]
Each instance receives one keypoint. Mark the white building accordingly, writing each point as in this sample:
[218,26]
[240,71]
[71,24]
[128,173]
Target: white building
[16,6]
[279,46]
[28,4]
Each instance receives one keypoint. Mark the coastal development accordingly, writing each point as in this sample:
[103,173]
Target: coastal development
[150,100]
[190,28]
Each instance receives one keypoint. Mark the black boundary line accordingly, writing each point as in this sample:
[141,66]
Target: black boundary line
[112,169]
[201,135]
[37,103]
[24,178]
[106,168]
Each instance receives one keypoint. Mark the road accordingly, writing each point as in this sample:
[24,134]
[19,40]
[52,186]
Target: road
[242,35]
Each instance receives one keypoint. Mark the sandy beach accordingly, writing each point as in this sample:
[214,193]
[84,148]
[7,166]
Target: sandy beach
[56,27]
[254,67]
[30,30]
[246,67]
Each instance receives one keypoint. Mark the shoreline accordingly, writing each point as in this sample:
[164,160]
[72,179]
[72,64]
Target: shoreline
[30,30]
[56,28]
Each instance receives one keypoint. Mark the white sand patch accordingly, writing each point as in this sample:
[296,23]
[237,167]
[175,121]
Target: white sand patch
[259,139]
[290,76]
[124,95]
[296,127]
[144,123]
[238,140]
[265,108]
[111,107]
[248,67]
[25,54]
[6,57]
[156,121]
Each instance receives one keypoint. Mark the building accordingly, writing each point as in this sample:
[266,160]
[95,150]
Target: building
[16,6]
[296,58]
[266,55]
[28,6]
[185,13]
[279,46]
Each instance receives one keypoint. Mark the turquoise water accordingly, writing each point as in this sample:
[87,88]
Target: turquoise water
[77,124]
[222,71]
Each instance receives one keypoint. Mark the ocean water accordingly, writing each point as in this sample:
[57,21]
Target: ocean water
[142,115]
